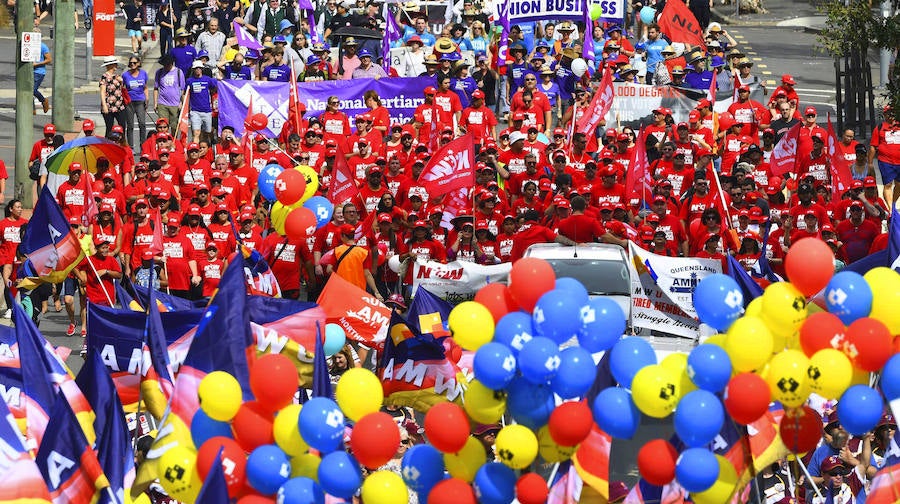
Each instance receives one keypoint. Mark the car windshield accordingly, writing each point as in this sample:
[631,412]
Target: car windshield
[599,277]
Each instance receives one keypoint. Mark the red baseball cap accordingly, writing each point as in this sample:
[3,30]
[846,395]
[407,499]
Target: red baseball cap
[75,167]
[788,79]
[193,146]
[193,210]
[87,125]
[809,111]
[869,182]
[478,94]
[140,202]
[49,129]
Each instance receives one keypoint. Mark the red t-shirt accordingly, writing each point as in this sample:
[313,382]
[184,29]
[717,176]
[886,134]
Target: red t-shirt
[211,273]
[528,235]
[478,122]
[97,293]
[581,228]
[178,251]
[286,257]
[10,238]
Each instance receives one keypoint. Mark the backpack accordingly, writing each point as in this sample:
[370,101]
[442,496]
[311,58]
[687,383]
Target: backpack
[34,170]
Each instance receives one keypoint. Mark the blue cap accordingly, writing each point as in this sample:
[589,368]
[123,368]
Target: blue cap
[717,61]
[313,59]
[364,53]
[542,43]
[202,54]
[252,54]
[613,28]
[450,56]
[285,24]
[279,39]
[641,46]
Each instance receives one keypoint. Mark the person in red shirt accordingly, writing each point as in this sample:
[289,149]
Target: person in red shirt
[808,131]
[815,162]
[156,179]
[857,233]
[312,147]
[671,225]
[581,228]
[711,249]
[506,239]
[360,162]
[71,194]
[805,195]
[365,132]
[885,145]
[422,117]
[10,238]
[287,258]
[447,104]
[398,184]
[373,188]
[137,236]
[336,123]
[680,175]
[533,232]
[249,233]
[180,265]
[222,231]
[422,247]
[97,273]
[478,119]
[195,172]
[513,160]
[211,268]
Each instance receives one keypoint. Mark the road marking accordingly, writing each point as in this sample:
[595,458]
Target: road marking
[751,53]
[756,59]
[762,65]
[770,82]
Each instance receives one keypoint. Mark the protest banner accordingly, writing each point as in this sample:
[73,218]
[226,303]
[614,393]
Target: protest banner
[457,281]
[540,10]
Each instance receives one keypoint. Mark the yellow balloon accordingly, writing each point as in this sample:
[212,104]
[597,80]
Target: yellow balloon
[783,310]
[277,216]
[787,377]
[754,309]
[471,325]
[482,404]
[465,463]
[860,377]
[676,363]
[549,450]
[220,396]
[287,432]
[384,487]
[655,391]
[312,183]
[748,343]
[830,373]
[178,473]
[723,487]
[306,465]
[885,285]
[359,393]
[718,339]
[517,446]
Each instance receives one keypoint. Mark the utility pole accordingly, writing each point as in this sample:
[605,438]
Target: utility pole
[24,105]
[884,61]
[64,65]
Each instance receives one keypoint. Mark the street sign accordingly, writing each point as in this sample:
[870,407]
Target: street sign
[31,47]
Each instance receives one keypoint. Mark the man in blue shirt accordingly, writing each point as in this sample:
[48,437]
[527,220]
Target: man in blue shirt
[200,88]
[420,28]
[278,71]
[654,46]
[183,53]
[40,71]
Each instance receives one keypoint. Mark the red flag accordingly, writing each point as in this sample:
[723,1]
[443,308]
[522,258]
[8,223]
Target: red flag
[294,122]
[156,246]
[729,234]
[343,186]
[638,179]
[456,203]
[600,105]
[452,167]
[784,156]
[364,318]
[184,123]
[90,204]
[591,460]
[677,21]
[840,171]
[713,87]
[246,143]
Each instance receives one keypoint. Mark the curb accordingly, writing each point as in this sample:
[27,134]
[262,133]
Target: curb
[717,14]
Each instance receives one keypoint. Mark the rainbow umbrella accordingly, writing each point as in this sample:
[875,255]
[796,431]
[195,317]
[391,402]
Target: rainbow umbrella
[85,150]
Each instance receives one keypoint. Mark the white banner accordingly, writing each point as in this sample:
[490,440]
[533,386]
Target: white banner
[457,281]
[662,290]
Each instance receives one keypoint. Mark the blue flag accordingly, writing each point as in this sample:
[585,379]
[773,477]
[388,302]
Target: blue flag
[20,479]
[749,288]
[321,379]
[763,269]
[428,313]
[37,384]
[125,298]
[214,489]
[50,247]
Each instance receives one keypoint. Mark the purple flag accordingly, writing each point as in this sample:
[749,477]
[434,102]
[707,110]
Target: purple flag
[391,34]
[244,38]
[503,22]
[587,48]
[310,18]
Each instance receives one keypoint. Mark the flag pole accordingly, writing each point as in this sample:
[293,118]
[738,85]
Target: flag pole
[809,477]
[97,274]
[112,495]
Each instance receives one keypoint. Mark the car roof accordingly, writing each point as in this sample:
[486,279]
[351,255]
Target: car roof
[602,251]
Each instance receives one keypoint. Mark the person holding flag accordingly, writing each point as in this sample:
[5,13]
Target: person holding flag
[97,272]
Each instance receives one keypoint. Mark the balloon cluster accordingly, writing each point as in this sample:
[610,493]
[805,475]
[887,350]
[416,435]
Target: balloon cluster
[296,212]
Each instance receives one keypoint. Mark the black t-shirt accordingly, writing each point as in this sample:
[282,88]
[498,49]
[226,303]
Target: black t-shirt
[132,17]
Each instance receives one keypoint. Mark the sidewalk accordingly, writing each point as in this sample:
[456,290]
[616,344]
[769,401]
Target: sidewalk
[779,13]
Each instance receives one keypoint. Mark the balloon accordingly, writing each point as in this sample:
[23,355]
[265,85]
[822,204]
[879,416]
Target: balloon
[359,392]
[783,310]
[312,181]
[529,279]
[286,431]
[471,325]
[339,474]
[254,499]
[890,378]
[451,491]
[677,363]
[517,446]
[322,424]
[754,308]
[299,224]
[539,360]
[709,367]
[576,373]
[446,427]
[529,404]
[306,466]
[234,462]
[274,381]
[859,409]
[266,180]
[722,489]
[819,330]
[787,378]
[885,285]
[278,215]
[422,467]
[699,418]
[300,491]
[549,450]
[870,344]
[696,469]
[570,423]
[464,463]
[289,187]
[514,330]
[628,356]
[596,11]
[809,265]
[575,289]
[482,404]
[557,315]
[579,67]
[747,397]
[177,467]
[204,428]
[848,296]
[656,462]
[718,301]
[800,429]
[648,15]
[253,426]
[497,299]
[321,208]
[335,339]
[830,373]
[615,413]
[258,122]
[495,484]
[220,395]
[531,489]
[384,487]
[748,343]
[375,439]
[267,469]
[494,365]
[604,323]
[655,391]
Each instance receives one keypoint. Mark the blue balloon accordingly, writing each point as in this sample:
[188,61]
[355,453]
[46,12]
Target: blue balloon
[204,428]
[557,315]
[495,484]
[604,323]
[529,404]
[696,469]
[301,491]
[494,365]
[628,356]
[615,413]
[514,330]
[266,180]
[322,424]
[339,474]
[321,208]
[848,296]
[539,360]
[890,378]
[859,409]
[422,467]
[575,289]
[709,367]
[699,418]
[719,301]
[576,373]
[648,15]
[267,469]
[335,338]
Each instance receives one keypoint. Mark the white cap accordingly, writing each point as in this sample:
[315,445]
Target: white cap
[515,136]
[197,64]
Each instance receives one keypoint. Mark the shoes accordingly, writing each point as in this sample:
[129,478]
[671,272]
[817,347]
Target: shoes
[144,36]
[84,333]
[83,352]
[71,330]
[8,313]
[46,105]
[153,36]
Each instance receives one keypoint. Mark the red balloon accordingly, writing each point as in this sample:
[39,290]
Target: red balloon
[497,299]
[570,423]
[255,499]
[896,348]
[531,489]
[447,427]
[375,439]
[300,223]
[529,279]
[656,462]
[234,462]
[257,122]
[818,332]
[451,491]
[274,381]
[870,344]
[747,397]
[800,429]
[809,265]
[289,187]
[252,426]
